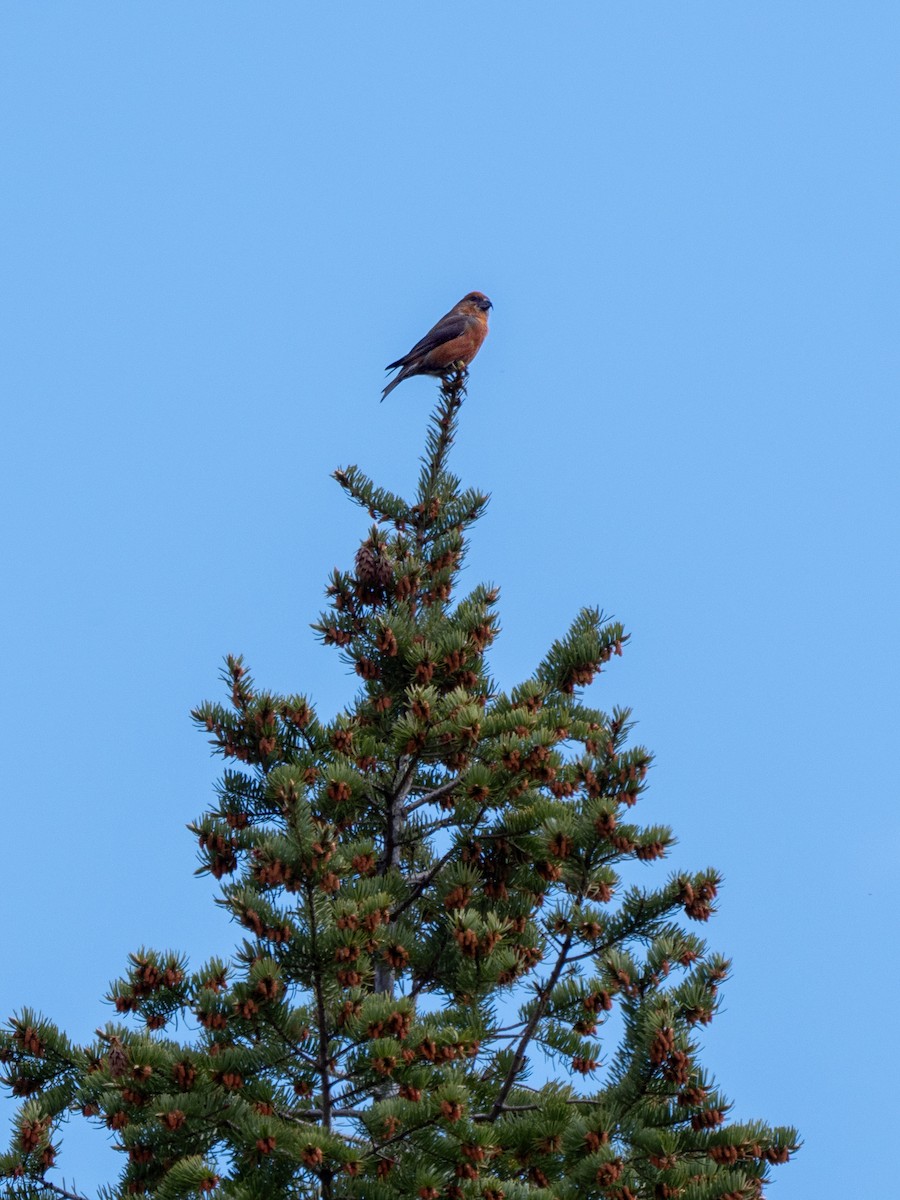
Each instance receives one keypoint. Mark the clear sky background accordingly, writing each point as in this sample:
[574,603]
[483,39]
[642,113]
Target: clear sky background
[220,221]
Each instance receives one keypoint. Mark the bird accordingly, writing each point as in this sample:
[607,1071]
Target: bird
[454,340]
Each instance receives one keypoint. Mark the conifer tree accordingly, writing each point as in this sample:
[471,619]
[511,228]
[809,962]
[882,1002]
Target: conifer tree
[448,989]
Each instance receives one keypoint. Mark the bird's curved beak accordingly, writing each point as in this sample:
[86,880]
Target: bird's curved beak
[485,305]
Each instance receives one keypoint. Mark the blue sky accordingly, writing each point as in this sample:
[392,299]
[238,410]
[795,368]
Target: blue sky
[222,220]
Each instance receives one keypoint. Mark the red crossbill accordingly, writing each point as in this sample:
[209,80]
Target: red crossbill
[456,338]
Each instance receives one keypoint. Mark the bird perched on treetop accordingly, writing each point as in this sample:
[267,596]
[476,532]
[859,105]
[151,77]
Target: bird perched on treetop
[456,339]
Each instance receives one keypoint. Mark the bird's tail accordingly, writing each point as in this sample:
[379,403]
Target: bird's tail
[390,387]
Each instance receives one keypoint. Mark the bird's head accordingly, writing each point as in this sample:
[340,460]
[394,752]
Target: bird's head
[476,300]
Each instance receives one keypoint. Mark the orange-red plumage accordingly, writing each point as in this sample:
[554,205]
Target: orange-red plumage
[456,338]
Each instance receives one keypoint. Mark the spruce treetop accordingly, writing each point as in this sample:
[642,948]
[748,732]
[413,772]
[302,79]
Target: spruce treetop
[446,988]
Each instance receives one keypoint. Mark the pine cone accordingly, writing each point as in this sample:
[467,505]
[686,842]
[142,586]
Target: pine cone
[373,568]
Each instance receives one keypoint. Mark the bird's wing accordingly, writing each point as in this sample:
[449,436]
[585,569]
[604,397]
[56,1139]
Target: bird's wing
[447,328]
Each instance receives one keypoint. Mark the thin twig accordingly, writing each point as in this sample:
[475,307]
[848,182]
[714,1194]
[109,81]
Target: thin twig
[432,797]
[424,881]
[540,1008]
[62,1191]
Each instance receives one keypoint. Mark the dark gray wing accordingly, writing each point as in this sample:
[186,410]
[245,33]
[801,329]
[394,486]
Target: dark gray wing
[446,330]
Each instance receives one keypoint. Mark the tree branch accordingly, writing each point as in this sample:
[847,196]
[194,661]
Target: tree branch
[437,794]
[440,439]
[321,1017]
[425,878]
[394,818]
[62,1190]
[539,1009]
